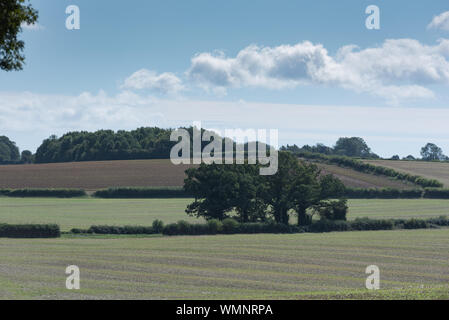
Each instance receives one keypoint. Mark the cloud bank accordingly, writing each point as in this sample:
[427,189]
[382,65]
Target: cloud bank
[396,70]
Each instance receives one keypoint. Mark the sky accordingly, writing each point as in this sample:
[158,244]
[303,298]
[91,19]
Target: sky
[311,69]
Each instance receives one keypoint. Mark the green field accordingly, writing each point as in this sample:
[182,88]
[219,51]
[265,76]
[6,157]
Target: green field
[82,213]
[413,264]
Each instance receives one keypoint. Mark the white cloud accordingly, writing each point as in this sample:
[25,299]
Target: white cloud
[146,79]
[32,27]
[396,70]
[440,22]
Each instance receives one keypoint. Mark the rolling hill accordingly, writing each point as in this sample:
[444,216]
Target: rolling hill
[140,173]
[430,170]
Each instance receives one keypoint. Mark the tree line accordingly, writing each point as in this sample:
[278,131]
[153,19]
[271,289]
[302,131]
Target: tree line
[154,143]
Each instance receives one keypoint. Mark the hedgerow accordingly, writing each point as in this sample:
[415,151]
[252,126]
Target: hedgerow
[143,192]
[29,231]
[48,193]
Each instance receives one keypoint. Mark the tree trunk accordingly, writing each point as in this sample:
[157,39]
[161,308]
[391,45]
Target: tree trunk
[303,218]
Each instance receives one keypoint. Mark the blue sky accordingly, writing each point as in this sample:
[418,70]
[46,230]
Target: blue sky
[260,64]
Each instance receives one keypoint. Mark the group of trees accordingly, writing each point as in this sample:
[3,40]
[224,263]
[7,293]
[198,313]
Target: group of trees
[351,147]
[142,143]
[357,148]
[9,153]
[223,191]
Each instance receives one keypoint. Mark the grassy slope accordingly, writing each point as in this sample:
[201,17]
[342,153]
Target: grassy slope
[82,213]
[413,264]
[431,170]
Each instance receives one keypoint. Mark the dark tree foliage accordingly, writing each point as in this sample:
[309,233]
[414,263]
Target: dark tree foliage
[431,152]
[142,143]
[26,156]
[222,191]
[351,147]
[12,14]
[8,150]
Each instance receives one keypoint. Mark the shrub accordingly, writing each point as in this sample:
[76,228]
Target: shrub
[230,226]
[184,227]
[325,225]
[121,230]
[361,224]
[30,231]
[332,209]
[416,224]
[158,226]
[215,226]
[171,229]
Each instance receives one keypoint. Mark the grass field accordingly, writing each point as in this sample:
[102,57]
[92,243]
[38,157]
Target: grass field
[82,213]
[413,265]
[431,170]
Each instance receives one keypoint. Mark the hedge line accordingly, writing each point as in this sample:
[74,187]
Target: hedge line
[371,169]
[29,231]
[390,193]
[230,226]
[144,192]
[351,193]
[56,193]
[382,193]
[436,193]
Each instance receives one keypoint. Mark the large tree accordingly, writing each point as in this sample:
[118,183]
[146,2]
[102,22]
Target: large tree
[431,152]
[8,150]
[224,190]
[352,147]
[14,13]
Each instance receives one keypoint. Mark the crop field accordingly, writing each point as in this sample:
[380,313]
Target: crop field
[413,265]
[140,173]
[431,170]
[355,179]
[93,175]
[82,213]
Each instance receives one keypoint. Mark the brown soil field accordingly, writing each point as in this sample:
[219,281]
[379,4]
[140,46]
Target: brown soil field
[355,179]
[430,170]
[93,175]
[143,173]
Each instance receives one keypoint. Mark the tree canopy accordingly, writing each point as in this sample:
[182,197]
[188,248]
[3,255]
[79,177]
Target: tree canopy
[13,13]
[431,152]
[8,150]
[351,147]
[238,191]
